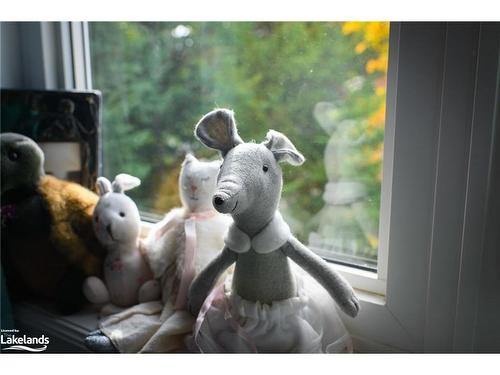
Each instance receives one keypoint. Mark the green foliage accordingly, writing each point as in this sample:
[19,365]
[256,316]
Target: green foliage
[158,79]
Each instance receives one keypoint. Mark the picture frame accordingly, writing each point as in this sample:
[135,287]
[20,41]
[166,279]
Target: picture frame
[62,123]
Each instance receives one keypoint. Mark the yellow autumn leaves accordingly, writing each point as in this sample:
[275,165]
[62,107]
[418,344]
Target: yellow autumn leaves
[374,40]
[375,37]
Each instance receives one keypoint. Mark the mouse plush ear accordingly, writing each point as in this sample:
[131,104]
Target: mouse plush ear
[282,148]
[103,185]
[124,182]
[217,130]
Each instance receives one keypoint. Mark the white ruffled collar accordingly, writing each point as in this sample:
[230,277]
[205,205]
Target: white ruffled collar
[274,235]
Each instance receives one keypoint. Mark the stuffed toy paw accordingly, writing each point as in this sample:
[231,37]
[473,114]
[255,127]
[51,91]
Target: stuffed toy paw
[97,342]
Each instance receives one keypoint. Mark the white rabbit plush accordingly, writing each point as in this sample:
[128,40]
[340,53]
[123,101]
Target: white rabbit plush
[127,278]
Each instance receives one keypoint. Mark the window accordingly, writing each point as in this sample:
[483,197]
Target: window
[441,105]
[322,84]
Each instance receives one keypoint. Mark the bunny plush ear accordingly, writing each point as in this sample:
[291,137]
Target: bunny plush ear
[282,148]
[103,185]
[124,182]
[217,130]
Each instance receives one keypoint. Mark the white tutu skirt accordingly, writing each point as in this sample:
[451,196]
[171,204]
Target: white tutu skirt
[308,323]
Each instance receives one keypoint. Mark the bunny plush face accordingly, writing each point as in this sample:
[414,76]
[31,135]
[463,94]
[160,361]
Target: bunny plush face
[116,217]
[197,183]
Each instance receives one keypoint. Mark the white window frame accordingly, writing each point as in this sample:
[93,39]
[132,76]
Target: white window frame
[53,55]
[375,283]
[437,162]
[440,105]
[76,55]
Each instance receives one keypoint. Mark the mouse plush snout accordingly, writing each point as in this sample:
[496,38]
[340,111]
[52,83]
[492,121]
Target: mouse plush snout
[225,202]
[218,200]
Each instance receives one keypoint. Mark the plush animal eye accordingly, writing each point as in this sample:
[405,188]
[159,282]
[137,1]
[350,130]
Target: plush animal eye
[122,214]
[265,168]
[13,155]
[96,219]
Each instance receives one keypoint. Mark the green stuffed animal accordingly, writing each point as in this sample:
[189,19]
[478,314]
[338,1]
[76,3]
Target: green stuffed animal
[48,244]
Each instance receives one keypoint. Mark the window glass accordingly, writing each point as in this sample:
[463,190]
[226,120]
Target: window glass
[322,84]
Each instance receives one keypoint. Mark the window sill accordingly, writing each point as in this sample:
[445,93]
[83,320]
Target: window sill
[362,280]
[65,332]
[370,297]
[370,291]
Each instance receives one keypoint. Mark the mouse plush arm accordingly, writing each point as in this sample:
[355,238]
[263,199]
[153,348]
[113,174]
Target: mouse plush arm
[335,284]
[206,279]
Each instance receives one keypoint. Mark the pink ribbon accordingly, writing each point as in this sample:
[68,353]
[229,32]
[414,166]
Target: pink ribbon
[218,297]
[216,292]
[188,272]
[188,269]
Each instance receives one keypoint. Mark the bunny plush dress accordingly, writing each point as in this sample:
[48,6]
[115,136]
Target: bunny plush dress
[306,323]
[161,326]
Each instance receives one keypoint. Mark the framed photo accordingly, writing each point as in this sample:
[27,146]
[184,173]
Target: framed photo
[64,123]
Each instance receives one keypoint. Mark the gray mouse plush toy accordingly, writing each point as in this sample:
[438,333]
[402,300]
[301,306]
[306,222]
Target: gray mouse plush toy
[273,305]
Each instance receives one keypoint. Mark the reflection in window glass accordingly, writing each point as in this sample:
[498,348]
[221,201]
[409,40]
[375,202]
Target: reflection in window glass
[322,84]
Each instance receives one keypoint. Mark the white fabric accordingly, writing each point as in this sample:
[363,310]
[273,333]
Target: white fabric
[160,249]
[157,326]
[149,327]
[168,250]
[308,323]
[271,237]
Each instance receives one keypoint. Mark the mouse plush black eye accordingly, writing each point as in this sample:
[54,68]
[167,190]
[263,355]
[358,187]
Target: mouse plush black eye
[13,155]
[265,168]
[96,218]
[122,214]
